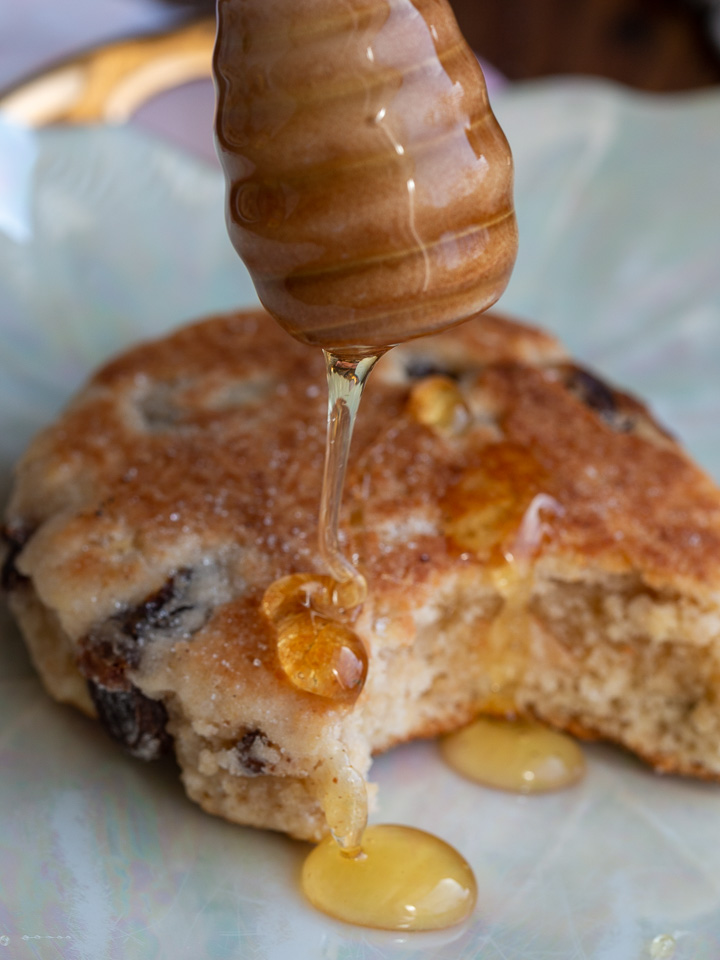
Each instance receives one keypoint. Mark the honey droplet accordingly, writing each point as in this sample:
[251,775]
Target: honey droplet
[343,796]
[437,402]
[515,755]
[404,879]
[318,652]
[509,640]
[486,508]
[509,636]
[663,947]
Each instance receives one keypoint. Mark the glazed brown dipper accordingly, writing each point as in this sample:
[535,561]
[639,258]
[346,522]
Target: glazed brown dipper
[369,186]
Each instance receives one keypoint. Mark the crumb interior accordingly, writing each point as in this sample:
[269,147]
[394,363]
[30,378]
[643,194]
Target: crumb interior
[604,657]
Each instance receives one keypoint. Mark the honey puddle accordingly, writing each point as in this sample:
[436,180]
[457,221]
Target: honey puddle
[516,755]
[404,879]
[384,876]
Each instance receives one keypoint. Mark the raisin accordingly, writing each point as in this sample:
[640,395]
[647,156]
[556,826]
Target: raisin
[253,766]
[598,396]
[417,368]
[15,539]
[112,648]
[133,720]
[159,408]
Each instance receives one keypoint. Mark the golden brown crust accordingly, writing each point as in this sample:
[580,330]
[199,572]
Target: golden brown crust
[214,436]
[209,434]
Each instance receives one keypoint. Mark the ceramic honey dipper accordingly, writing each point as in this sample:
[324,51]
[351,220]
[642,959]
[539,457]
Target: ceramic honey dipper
[369,186]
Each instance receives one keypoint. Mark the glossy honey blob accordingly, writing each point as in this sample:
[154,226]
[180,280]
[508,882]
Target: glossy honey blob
[369,186]
[404,879]
[663,947]
[342,792]
[516,755]
[318,652]
[438,403]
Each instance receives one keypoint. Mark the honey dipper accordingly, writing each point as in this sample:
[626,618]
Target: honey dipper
[369,186]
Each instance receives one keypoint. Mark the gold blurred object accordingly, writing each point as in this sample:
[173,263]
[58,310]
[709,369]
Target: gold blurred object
[108,84]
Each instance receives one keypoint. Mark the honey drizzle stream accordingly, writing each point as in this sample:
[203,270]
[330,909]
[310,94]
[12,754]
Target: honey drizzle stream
[346,799]
[346,381]
[313,614]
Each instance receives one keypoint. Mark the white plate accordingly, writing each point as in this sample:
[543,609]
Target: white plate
[102,857]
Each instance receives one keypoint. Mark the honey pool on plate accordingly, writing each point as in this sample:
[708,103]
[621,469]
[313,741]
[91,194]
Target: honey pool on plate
[404,879]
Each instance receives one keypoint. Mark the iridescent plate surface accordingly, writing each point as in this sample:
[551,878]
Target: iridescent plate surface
[112,237]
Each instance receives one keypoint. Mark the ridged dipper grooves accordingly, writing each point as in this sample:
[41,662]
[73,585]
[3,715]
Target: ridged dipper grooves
[369,186]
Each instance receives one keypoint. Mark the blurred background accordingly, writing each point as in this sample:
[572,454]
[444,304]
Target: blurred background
[660,45]
[653,45]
